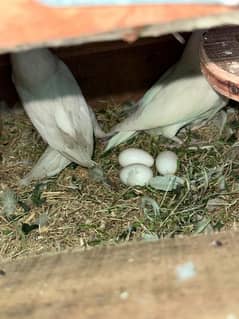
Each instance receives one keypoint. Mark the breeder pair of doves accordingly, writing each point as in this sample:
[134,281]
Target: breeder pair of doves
[54,103]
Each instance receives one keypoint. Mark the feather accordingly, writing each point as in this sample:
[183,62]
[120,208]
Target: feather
[119,138]
[54,102]
[56,106]
[49,164]
[181,96]
[99,133]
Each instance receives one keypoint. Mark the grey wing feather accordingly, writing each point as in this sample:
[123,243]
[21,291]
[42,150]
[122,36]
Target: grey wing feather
[99,133]
[77,114]
[181,96]
[49,164]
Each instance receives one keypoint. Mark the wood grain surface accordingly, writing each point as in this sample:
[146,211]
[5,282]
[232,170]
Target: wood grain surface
[27,23]
[108,71]
[128,281]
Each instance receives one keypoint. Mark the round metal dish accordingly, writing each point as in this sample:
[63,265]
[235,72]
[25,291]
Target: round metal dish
[219,52]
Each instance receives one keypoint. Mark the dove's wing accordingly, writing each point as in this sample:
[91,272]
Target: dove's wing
[156,88]
[119,138]
[179,97]
[73,118]
[59,111]
[182,100]
[193,99]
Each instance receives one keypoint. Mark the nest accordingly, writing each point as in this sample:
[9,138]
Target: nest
[75,210]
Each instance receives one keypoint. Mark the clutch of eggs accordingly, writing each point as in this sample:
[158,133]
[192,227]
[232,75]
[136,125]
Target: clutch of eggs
[136,166]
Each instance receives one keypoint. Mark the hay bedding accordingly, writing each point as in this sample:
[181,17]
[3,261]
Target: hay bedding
[74,210]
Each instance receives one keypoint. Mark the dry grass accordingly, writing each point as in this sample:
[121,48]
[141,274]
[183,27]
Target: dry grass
[73,210]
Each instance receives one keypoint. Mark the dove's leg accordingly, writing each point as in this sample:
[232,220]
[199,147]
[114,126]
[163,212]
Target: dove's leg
[49,164]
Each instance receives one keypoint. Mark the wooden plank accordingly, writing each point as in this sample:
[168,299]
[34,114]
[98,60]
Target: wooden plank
[27,22]
[128,281]
[128,70]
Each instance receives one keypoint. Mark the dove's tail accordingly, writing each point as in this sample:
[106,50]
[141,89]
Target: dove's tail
[119,138]
[49,164]
[99,133]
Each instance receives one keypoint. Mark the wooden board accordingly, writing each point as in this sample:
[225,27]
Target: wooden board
[127,70]
[27,23]
[129,281]
[220,60]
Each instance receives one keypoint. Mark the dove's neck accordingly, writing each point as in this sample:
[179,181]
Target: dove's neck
[190,56]
[33,67]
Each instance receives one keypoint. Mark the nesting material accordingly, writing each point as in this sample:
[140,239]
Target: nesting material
[82,212]
[166,183]
[8,202]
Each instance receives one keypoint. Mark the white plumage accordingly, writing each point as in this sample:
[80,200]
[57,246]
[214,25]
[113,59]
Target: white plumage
[181,96]
[49,164]
[54,102]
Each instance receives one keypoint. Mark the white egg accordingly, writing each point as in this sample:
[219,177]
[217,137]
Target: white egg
[135,156]
[136,174]
[167,163]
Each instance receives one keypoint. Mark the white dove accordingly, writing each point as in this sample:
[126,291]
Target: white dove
[181,96]
[54,102]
